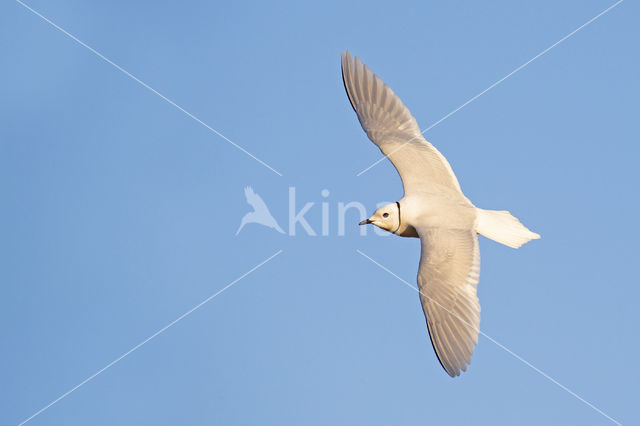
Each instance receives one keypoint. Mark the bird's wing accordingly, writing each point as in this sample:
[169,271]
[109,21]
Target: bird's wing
[390,125]
[448,280]
[255,200]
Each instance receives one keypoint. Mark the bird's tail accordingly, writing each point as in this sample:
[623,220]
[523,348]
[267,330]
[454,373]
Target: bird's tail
[500,226]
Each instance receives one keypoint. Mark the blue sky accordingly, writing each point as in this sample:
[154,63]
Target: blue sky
[119,212]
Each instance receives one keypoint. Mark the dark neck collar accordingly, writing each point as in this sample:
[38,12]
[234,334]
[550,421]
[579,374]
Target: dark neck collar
[399,220]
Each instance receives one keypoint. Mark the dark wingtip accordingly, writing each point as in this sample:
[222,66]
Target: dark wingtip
[346,58]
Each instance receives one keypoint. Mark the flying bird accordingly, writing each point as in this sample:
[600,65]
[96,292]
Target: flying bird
[435,210]
[260,213]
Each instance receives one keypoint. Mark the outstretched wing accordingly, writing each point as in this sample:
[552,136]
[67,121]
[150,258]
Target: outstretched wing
[448,280]
[255,200]
[390,125]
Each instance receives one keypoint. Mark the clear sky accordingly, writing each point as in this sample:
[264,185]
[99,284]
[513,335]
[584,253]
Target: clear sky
[119,212]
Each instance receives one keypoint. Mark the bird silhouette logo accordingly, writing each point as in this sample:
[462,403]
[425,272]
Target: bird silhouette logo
[260,213]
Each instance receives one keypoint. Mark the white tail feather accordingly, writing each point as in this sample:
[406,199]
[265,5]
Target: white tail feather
[500,226]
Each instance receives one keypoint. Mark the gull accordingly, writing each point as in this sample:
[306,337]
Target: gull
[435,210]
[260,213]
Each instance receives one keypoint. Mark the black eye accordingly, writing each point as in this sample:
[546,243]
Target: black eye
[385,215]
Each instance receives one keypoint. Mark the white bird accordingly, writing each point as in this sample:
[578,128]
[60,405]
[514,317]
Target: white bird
[260,213]
[435,210]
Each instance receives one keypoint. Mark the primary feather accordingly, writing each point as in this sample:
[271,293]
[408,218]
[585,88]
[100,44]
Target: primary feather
[390,125]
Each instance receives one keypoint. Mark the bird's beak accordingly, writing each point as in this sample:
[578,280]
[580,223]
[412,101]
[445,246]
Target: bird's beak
[365,222]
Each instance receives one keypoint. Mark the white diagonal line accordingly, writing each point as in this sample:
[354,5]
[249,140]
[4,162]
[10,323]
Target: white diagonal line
[500,345]
[145,85]
[136,347]
[495,84]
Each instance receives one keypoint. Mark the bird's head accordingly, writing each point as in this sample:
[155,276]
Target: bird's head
[386,217]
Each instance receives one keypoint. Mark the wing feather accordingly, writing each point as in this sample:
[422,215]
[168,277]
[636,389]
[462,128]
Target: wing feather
[390,125]
[448,280]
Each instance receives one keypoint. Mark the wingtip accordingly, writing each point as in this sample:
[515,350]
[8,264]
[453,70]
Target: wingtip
[346,59]
[454,373]
[357,62]
[457,372]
